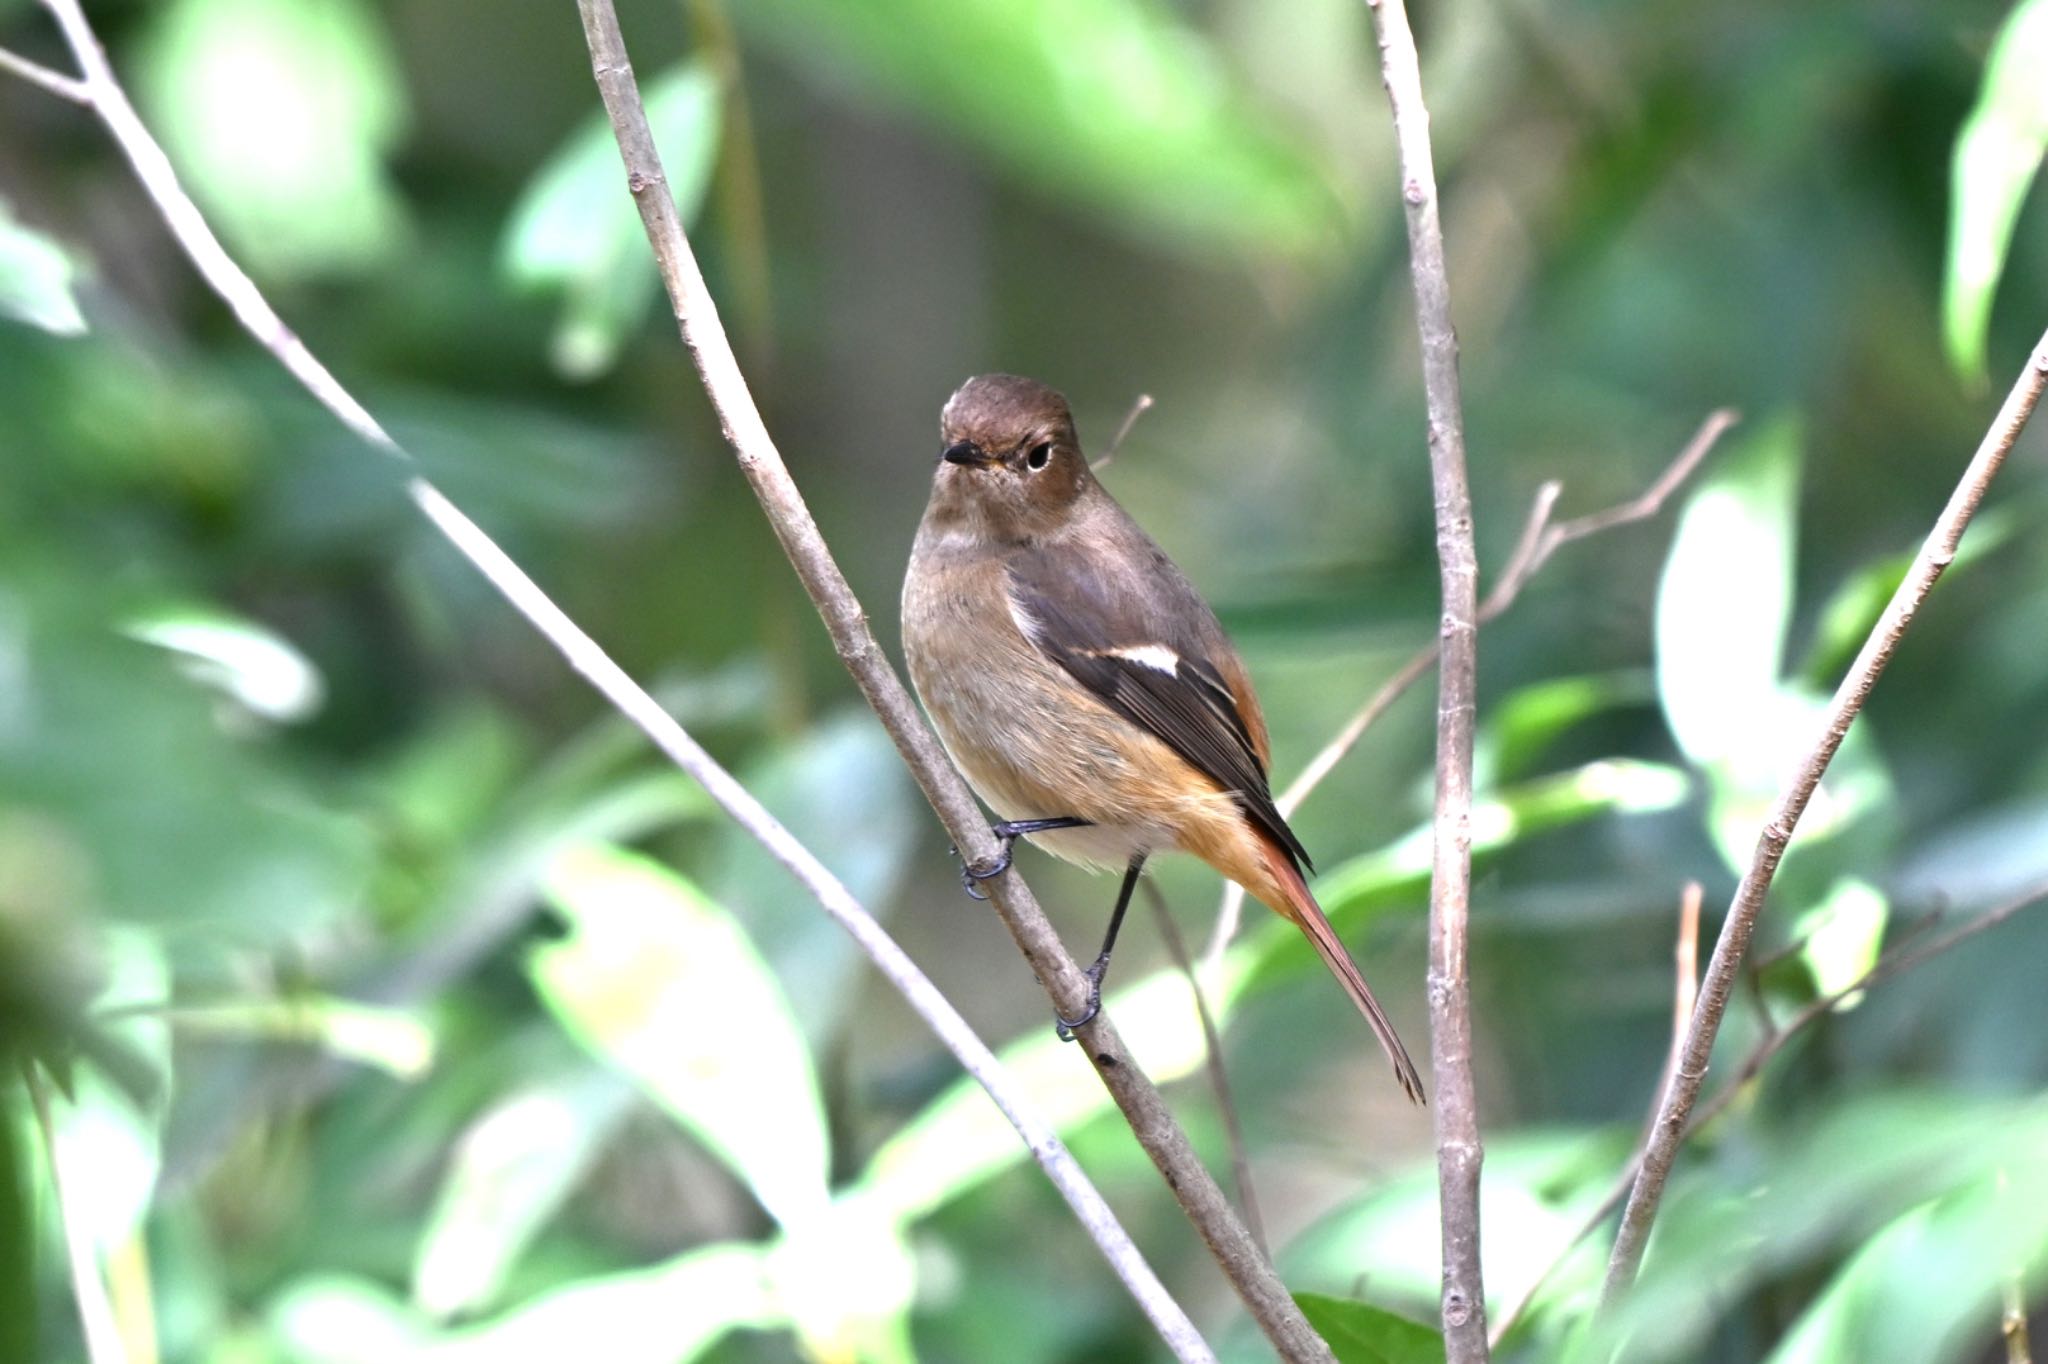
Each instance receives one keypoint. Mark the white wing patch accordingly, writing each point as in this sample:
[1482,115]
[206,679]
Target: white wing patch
[1157,657]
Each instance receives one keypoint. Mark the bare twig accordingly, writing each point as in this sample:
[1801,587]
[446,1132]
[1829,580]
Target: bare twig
[1219,1078]
[696,314]
[64,87]
[1896,961]
[103,1343]
[1726,963]
[1458,1152]
[153,168]
[1686,989]
[1138,409]
[1539,540]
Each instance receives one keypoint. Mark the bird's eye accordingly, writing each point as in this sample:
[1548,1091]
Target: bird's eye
[1040,456]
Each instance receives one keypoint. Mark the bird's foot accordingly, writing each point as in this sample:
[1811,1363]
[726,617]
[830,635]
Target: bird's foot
[1065,1026]
[1007,833]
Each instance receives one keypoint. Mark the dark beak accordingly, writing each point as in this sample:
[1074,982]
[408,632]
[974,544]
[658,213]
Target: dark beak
[968,453]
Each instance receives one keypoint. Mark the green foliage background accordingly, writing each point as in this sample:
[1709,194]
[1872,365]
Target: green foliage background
[395,1004]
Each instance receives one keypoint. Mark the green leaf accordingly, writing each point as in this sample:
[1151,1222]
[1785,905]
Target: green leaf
[1116,103]
[576,231]
[1997,154]
[1359,1333]
[664,985]
[279,114]
[513,1168]
[1531,718]
[36,276]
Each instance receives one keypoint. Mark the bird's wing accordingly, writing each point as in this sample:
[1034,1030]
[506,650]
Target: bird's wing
[1147,646]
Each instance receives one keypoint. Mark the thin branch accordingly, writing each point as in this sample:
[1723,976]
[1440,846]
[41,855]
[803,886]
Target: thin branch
[1539,540]
[2012,1324]
[103,1342]
[1685,990]
[1219,1078]
[697,315]
[68,88]
[1458,1151]
[1896,961]
[1726,963]
[153,168]
[1138,409]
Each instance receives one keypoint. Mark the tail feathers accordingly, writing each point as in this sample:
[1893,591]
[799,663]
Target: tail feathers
[1308,915]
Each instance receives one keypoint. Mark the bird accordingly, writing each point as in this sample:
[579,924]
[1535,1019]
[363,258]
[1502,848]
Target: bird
[1082,685]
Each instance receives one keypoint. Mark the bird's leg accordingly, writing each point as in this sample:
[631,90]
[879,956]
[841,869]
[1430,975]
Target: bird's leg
[1008,832]
[1100,968]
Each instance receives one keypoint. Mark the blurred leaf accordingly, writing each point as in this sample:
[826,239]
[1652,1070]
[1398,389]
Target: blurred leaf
[1725,599]
[1116,102]
[577,231]
[1997,153]
[393,1040]
[842,789]
[1926,1288]
[1834,1181]
[279,114]
[1359,1333]
[35,279]
[665,986]
[1514,733]
[245,661]
[107,1140]
[666,1314]
[1852,612]
[1843,934]
[848,1280]
[512,1169]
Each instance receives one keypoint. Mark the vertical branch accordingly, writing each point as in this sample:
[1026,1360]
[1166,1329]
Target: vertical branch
[1162,1138]
[1458,1151]
[1674,1111]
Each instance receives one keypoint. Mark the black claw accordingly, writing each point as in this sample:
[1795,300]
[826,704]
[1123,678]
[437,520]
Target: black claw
[1007,833]
[1065,1026]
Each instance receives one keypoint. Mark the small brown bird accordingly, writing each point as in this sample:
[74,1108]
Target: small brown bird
[1081,683]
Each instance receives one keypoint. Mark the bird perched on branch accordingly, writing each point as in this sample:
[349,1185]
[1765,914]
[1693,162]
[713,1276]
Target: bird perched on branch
[1081,683]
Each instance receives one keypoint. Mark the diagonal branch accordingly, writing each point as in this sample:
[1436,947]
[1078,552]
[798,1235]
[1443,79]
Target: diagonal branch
[106,97]
[1458,1152]
[697,316]
[1675,1108]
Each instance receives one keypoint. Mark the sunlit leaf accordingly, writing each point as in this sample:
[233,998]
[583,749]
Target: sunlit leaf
[666,1314]
[1997,154]
[576,230]
[279,114]
[36,276]
[1726,596]
[1843,935]
[1359,1333]
[663,984]
[244,660]
[1514,733]
[848,1279]
[1117,103]
[512,1169]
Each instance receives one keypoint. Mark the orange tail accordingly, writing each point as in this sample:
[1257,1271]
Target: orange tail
[1302,908]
